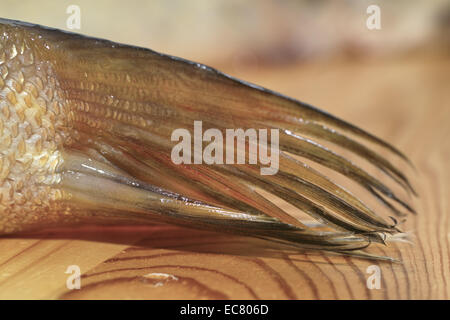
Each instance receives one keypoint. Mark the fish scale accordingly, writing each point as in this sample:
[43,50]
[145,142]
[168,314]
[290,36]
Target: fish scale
[30,136]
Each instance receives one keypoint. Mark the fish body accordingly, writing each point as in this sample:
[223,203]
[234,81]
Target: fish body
[85,136]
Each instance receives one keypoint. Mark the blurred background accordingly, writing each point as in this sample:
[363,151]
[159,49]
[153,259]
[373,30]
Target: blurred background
[388,80]
[252,33]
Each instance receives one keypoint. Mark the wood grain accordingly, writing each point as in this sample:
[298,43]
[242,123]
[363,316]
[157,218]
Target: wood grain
[405,100]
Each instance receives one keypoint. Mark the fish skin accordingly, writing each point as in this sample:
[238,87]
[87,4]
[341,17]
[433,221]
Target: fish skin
[34,122]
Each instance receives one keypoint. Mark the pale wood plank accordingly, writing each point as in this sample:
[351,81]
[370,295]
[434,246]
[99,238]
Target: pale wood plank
[404,100]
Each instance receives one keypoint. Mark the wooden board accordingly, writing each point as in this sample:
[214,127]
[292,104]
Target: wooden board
[405,100]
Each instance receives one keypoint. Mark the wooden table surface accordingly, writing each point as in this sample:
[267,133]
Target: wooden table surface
[405,100]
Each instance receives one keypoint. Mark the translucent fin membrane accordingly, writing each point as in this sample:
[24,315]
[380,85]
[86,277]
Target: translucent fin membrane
[120,105]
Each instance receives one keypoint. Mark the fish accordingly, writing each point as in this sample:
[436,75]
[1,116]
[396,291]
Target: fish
[86,130]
